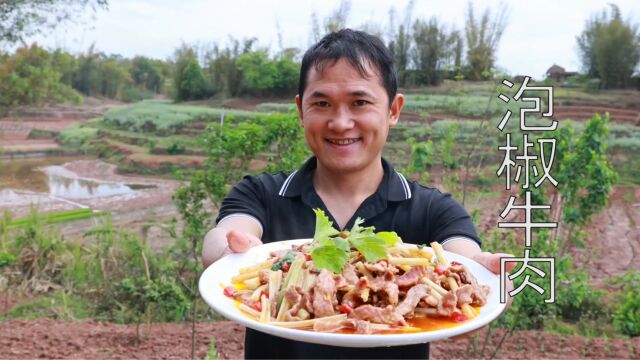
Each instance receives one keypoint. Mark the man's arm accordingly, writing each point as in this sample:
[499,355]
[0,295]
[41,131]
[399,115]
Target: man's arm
[234,233]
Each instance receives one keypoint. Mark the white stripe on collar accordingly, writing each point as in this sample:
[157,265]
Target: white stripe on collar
[284,187]
[405,186]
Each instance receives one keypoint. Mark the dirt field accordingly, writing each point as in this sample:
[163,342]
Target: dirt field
[93,340]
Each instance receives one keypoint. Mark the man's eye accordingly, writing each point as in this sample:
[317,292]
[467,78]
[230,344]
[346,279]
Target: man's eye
[321,104]
[361,102]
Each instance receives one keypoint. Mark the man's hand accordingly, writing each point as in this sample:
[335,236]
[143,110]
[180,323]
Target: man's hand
[239,241]
[233,234]
[492,261]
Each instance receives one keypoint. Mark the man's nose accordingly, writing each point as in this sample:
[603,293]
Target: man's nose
[341,120]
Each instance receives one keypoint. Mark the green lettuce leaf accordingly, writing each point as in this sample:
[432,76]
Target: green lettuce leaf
[389,237]
[331,254]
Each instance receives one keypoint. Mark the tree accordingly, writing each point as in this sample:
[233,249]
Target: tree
[30,78]
[400,43]
[609,48]
[482,36]
[193,84]
[222,66]
[23,18]
[430,50]
[337,20]
[146,73]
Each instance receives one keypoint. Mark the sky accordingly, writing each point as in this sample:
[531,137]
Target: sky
[538,33]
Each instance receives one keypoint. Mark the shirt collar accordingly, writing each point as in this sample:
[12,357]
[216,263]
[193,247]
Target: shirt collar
[394,185]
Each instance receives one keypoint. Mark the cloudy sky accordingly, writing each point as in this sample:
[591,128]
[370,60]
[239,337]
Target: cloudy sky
[539,33]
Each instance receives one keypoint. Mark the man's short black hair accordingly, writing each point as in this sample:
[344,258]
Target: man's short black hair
[357,47]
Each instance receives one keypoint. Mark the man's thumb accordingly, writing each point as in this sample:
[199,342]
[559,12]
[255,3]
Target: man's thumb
[240,241]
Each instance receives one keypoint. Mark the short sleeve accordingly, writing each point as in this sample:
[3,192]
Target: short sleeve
[247,197]
[449,219]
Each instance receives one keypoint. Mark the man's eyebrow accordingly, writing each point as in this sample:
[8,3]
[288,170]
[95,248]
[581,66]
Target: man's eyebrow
[318,94]
[360,93]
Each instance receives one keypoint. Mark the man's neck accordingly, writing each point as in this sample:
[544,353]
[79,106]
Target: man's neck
[349,186]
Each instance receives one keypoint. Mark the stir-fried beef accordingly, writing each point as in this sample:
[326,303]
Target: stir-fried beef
[386,315]
[447,305]
[430,301]
[464,294]
[333,325]
[263,275]
[411,277]
[465,276]
[386,285]
[324,294]
[349,273]
[414,295]
[341,282]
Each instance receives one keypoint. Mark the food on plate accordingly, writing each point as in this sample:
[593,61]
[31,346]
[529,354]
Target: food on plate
[358,281]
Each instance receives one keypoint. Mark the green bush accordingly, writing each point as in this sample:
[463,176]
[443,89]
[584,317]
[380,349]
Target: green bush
[626,316]
[76,135]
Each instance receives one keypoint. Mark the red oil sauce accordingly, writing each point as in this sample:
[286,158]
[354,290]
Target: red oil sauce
[417,324]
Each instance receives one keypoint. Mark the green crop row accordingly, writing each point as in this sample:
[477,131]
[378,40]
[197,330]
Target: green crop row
[53,217]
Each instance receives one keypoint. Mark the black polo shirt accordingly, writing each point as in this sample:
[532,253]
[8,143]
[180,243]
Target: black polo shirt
[282,204]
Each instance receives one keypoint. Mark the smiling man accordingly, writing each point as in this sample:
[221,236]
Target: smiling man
[347,102]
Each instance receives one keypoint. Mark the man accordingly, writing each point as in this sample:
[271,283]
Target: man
[347,101]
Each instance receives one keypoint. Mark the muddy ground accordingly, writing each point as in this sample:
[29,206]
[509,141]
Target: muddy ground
[94,340]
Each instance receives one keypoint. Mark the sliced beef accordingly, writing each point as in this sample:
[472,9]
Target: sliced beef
[414,295]
[463,274]
[333,325]
[263,275]
[447,305]
[341,282]
[349,274]
[411,277]
[463,294]
[430,301]
[324,294]
[386,315]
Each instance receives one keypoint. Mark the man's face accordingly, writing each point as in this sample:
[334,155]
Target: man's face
[346,118]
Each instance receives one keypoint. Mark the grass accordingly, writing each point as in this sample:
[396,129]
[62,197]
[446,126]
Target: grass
[57,305]
[275,107]
[164,118]
[55,217]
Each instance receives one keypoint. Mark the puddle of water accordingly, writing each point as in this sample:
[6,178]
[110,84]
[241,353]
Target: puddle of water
[24,174]
[64,187]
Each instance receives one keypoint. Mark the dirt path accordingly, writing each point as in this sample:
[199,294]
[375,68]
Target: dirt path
[94,340]
[613,243]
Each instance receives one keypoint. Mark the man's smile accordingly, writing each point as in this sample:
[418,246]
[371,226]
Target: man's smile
[347,141]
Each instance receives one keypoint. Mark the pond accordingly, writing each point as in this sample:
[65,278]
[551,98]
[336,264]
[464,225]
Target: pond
[28,175]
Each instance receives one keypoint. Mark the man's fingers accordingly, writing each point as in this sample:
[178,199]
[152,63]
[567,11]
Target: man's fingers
[240,242]
[492,261]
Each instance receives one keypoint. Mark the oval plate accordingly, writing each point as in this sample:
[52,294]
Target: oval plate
[219,274]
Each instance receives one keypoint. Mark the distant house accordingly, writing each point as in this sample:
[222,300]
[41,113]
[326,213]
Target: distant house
[558,73]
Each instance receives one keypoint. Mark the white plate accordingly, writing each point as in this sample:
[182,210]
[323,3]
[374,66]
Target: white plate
[224,269]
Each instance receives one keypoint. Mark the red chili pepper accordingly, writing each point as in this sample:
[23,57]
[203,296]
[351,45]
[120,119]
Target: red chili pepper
[440,269]
[265,293]
[286,266]
[257,306]
[458,317]
[229,291]
[455,263]
[344,235]
[307,257]
[346,309]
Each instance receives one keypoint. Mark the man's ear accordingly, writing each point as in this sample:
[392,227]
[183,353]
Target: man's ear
[396,109]
[299,106]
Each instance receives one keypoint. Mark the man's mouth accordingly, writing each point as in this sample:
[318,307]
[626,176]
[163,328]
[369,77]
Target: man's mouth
[343,141]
